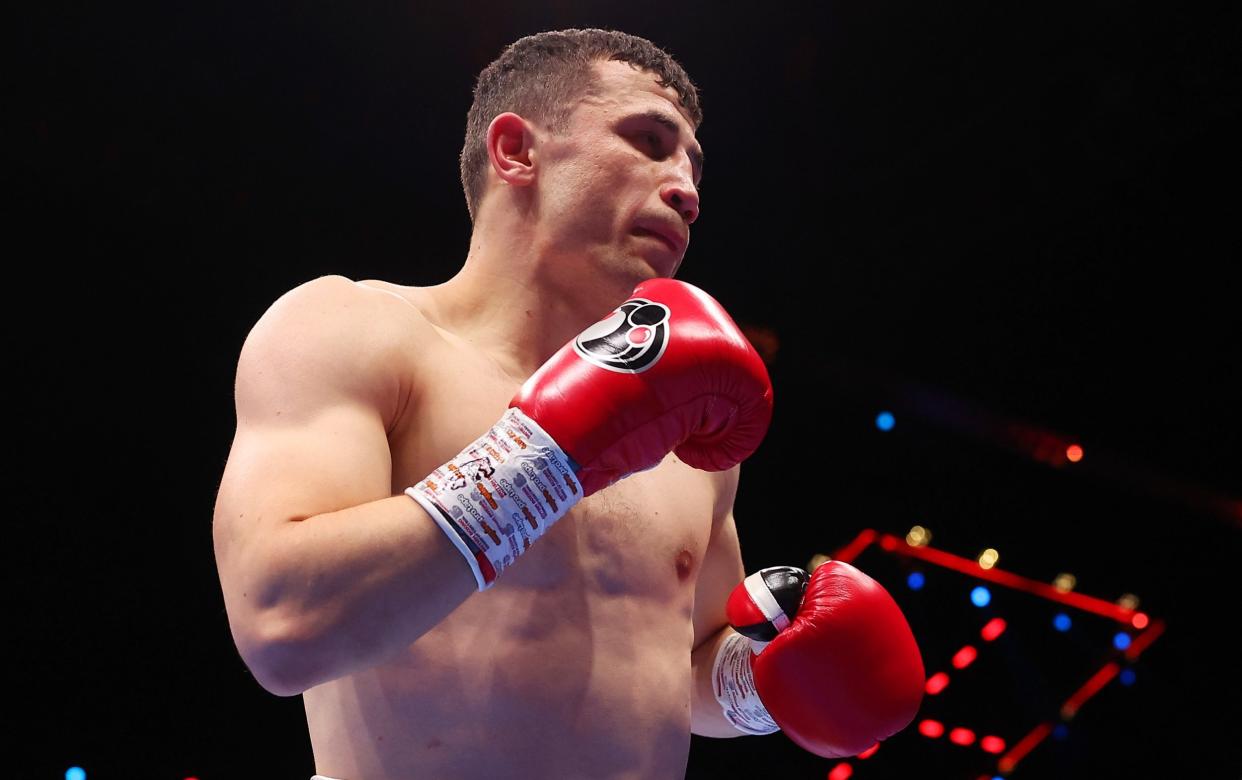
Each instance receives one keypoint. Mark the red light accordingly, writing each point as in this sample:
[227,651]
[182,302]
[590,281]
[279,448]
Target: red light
[961,736]
[992,745]
[765,341]
[936,683]
[931,728]
[869,752]
[994,628]
[964,657]
[1139,620]
[841,771]
[1073,453]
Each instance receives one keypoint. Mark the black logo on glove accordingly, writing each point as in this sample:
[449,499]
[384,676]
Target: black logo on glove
[630,340]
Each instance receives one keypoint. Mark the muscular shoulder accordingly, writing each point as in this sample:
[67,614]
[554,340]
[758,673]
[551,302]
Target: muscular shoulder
[339,315]
[332,334]
[390,300]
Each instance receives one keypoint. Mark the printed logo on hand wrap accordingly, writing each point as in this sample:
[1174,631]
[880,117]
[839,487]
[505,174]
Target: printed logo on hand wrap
[630,340]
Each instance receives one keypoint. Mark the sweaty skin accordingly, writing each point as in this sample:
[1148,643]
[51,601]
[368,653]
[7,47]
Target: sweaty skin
[578,662]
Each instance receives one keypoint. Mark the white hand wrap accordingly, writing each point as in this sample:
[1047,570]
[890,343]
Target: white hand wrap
[500,494]
[733,682]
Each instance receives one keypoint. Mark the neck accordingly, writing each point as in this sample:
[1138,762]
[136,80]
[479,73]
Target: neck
[518,300]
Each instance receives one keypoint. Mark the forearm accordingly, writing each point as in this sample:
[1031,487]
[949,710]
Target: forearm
[706,715]
[345,590]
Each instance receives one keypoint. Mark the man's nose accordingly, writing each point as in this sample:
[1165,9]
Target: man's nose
[682,196]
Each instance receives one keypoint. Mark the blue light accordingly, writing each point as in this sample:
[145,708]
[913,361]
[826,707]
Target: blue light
[1060,732]
[884,421]
[915,580]
[1127,677]
[75,773]
[1062,622]
[1121,641]
[980,596]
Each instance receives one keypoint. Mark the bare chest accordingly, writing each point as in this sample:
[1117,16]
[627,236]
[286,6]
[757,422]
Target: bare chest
[589,633]
[643,536]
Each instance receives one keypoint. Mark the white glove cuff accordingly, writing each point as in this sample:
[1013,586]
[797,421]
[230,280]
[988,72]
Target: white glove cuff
[733,682]
[500,494]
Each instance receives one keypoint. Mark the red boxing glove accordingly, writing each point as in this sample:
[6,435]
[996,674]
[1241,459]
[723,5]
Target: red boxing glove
[666,371]
[842,670]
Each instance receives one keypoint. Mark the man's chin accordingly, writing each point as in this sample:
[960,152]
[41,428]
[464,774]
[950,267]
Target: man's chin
[662,266]
[630,270]
[658,272]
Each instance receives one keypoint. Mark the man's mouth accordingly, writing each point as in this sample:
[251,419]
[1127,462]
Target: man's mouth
[668,242]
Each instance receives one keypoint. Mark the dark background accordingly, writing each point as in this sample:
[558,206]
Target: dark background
[1014,227]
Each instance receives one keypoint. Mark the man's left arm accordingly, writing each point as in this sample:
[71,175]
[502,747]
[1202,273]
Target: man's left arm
[847,673]
[722,569]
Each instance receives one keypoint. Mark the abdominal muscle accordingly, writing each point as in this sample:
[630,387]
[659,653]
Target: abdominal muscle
[577,664]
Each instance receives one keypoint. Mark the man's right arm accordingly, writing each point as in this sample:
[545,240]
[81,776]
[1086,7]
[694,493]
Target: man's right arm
[324,571]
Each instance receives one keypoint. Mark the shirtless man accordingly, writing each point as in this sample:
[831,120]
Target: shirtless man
[432,642]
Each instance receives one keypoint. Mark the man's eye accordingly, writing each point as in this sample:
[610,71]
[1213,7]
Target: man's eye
[653,140]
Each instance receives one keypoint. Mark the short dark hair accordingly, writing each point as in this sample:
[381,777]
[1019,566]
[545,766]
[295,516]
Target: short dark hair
[543,76]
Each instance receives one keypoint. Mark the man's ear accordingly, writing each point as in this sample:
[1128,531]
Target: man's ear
[510,140]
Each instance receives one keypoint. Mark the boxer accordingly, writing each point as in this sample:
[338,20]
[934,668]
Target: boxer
[484,528]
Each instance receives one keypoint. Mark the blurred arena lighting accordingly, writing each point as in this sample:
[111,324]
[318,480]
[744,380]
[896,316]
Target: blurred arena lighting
[964,657]
[936,683]
[885,421]
[992,744]
[973,420]
[1019,751]
[918,536]
[994,628]
[817,560]
[841,771]
[763,339]
[1126,645]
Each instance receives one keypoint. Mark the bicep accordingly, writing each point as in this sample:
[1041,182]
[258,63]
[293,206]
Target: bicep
[313,395]
[276,474]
